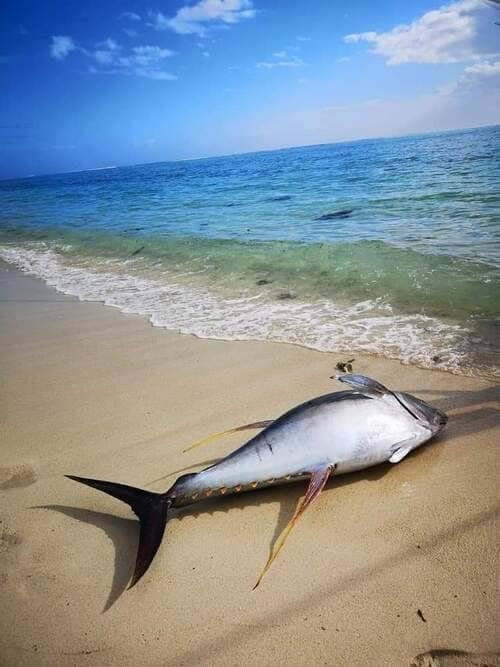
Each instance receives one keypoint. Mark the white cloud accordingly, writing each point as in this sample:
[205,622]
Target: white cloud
[109,57]
[344,59]
[482,75]
[159,21]
[456,32]
[61,46]
[196,19]
[301,38]
[108,44]
[484,68]
[105,52]
[146,61]
[103,57]
[281,59]
[151,53]
[132,16]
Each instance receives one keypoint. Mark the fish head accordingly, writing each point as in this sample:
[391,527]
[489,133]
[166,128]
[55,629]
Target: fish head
[426,414]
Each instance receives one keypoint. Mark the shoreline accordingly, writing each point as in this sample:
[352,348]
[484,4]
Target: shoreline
[93,391]
[274,313]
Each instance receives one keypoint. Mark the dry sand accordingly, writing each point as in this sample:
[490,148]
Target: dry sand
[89,391]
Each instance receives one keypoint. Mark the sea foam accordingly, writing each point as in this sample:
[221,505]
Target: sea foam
[369,326]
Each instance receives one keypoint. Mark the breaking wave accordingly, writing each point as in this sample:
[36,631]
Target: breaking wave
[201,298]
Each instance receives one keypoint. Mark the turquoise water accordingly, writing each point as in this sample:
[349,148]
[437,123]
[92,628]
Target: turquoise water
[233,247]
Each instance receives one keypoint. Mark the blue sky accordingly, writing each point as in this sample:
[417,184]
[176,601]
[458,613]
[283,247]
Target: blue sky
[92,84]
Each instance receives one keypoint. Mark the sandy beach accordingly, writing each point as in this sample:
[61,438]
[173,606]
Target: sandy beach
[388,564]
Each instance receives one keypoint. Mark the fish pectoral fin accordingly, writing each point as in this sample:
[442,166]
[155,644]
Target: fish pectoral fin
[364,385]
[400,453]
[220,434]
[316,484]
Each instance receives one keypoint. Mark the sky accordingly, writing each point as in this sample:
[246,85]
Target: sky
[114,82]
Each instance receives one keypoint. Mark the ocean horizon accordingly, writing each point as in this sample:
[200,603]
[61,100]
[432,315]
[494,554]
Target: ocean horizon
[384,246]
[254,152]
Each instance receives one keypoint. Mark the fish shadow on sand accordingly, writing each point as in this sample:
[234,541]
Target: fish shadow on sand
[124,533]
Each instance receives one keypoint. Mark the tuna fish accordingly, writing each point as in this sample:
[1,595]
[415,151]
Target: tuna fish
[329,435]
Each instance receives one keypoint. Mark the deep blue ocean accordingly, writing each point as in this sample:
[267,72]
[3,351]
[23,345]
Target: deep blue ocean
[385,246]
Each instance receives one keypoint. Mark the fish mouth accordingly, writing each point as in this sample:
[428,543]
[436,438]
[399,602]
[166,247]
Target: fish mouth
[440,421]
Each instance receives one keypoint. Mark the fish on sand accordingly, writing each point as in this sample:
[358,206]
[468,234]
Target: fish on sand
[329,435]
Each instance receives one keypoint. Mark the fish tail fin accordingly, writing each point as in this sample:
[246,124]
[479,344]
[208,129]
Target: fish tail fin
[151,510]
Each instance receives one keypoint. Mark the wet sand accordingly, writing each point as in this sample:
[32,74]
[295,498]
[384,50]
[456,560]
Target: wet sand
[390,563]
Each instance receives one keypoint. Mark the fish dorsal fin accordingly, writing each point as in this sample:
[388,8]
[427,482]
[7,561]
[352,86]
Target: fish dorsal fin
[364,385]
